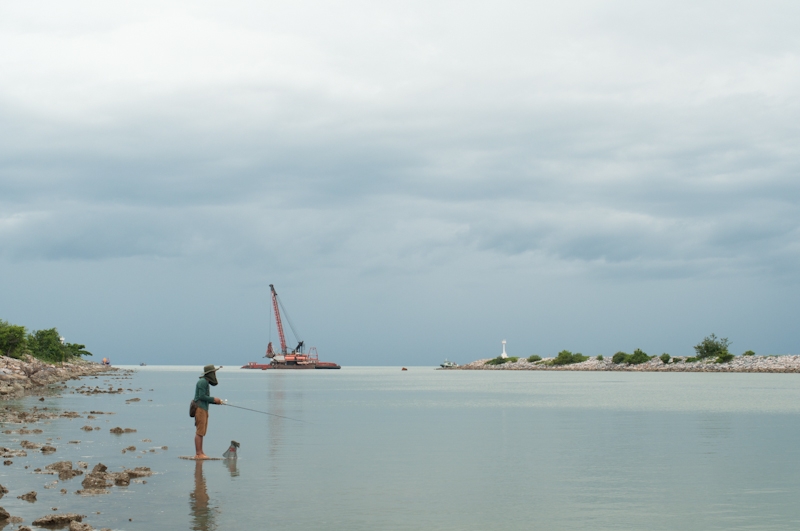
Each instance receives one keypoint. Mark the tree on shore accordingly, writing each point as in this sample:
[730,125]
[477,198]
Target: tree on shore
[712,346]
[13,340]
[46,345]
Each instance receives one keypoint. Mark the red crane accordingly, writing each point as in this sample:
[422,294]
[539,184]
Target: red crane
[297,358]
[278,319]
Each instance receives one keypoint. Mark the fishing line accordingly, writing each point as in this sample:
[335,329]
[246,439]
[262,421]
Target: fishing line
[262,412]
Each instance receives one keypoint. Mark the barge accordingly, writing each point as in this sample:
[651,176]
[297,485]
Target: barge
[296,359]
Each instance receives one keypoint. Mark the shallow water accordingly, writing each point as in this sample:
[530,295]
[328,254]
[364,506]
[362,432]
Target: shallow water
[377,448]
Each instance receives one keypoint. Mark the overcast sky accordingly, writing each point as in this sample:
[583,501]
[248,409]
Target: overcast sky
[419,180]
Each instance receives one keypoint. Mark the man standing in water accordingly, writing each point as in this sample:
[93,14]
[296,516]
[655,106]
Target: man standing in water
[202,398]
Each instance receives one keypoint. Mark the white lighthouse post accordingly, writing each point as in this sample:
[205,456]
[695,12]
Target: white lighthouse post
[504,355]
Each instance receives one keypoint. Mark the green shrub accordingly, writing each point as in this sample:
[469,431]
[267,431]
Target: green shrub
[749,353]
[690,360]
[499,361]
[620,357]
[534,358]
[565,357]
[664,357]
[724,358]
[638,357]
[712,347]
[600,357]
[13,340]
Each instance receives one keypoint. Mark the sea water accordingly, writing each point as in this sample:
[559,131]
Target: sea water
[366,448]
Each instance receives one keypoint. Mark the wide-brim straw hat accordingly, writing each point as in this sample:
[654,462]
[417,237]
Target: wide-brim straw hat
[210,368]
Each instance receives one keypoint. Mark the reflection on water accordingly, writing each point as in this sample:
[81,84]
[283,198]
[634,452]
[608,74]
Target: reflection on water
[275,399]
[203,515]
[232,465]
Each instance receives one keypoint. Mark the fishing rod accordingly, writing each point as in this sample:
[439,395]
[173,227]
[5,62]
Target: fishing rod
[262,412]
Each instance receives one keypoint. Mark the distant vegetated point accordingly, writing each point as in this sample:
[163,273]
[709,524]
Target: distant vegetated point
[45,345]
[711,354]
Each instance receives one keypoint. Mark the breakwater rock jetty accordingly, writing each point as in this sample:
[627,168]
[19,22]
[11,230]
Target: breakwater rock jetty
[19,376]
[764,364]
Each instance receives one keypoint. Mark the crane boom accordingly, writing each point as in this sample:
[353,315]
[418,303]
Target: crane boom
[278,319]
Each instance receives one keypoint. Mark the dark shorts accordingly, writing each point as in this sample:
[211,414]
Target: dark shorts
[201,421]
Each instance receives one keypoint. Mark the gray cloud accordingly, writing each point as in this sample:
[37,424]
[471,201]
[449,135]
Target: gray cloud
[609,142]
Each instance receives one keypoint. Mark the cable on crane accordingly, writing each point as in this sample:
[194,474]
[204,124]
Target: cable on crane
[288,319]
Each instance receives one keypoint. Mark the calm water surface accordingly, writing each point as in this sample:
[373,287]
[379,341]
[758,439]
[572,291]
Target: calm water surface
[377,448]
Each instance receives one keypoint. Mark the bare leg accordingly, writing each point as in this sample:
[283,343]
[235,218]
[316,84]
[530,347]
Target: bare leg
[198,447]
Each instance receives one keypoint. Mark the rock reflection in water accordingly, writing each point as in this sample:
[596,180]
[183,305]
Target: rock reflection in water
[203,515]
[232,466]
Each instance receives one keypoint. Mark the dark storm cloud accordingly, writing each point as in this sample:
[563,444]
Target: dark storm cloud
[611,135]
[595,186]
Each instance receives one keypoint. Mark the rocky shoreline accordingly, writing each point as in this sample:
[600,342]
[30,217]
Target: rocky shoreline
[30,378]
[756,364]
[21,376]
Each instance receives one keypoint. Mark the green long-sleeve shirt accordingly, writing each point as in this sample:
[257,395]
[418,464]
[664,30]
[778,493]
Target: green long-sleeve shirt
[201,395]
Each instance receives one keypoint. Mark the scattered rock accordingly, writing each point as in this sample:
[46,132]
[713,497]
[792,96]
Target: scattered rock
[139,472]
[78,526]
[3,491]
[87,428]
[95,481]
[132,400]
[64,470]
[146,440]
[8,452]
[59,466]
[91,492]
[48,449]
[28,445]
[4,515]
[52,520]
[119,430]
[28,496]
[8,462]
